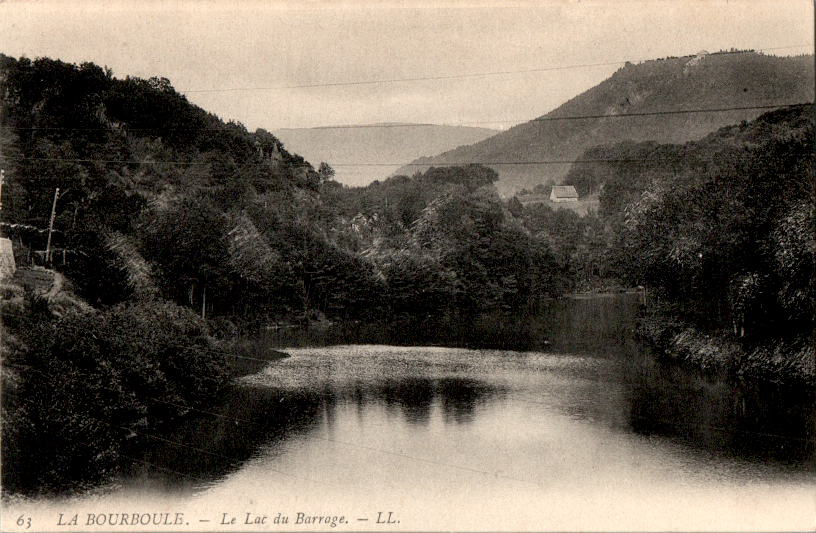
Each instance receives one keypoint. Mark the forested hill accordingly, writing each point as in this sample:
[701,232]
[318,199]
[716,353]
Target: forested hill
[160,199]
[81,128]
[710,81]
[775,140]
[395,143]
[722,230]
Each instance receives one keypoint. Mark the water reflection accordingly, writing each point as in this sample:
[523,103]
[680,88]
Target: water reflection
[413,396]
[751,421]
[579,324]
[214,444]
[416,397]
[587,374]
[463,396]
[253,418]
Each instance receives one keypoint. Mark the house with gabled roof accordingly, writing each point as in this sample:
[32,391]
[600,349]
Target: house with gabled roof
[563,193]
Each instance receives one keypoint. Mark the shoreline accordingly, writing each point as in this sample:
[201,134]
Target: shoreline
[782,362]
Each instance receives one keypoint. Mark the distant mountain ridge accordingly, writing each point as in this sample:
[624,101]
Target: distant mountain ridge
[387,142]
[698,82]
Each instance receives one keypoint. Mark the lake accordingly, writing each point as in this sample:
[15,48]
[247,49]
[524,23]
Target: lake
[576,427]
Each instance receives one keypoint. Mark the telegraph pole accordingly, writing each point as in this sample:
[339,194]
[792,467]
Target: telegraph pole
[2,179]
[51,227]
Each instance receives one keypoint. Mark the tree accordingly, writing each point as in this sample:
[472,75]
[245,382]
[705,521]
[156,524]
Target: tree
[515,207]
[188,243]
[326,172]
[103,368]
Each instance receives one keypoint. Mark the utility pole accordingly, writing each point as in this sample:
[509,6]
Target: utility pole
[2,179]
[51,227]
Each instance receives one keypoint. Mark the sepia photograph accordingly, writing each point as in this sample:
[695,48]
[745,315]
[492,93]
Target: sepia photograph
[386,266]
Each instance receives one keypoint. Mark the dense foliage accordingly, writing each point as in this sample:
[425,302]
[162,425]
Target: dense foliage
[95,387]
[171,223]
[444,240]
[161,198]
[723,228]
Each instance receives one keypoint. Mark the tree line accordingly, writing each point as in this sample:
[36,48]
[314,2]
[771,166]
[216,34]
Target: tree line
[721,229]
[176,229]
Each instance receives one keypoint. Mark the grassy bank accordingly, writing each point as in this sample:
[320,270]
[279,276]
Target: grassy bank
[785,361]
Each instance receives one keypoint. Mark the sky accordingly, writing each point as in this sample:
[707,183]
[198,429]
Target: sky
[249,61]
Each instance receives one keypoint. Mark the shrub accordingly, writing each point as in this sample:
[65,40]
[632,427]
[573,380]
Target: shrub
[95,385]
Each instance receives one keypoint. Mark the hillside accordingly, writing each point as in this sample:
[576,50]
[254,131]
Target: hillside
[375,143]
[720,80]
[721,232]
[784,134]
[173,227]
[157,198]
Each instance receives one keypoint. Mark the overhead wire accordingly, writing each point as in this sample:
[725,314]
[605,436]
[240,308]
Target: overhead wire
[188,347]
[242,420]
[265,426]
[465,75]
[546,118]
[423,164]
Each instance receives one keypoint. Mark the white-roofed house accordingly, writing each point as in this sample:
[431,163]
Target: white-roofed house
[563,193]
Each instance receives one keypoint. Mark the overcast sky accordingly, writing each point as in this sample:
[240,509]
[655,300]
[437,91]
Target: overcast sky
[252,49]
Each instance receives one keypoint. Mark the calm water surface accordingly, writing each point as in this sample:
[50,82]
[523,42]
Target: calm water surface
[582,430]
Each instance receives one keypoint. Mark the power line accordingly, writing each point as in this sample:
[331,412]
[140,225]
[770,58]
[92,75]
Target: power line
[427,164]
[265,426]
[523,399]
[186,347]
[497,163]
[119,453]
[460,76]
[197,478]
[367,164]
[221,352]
[557,118]
[546,118]
[363,447]
[656,113]
[235,460]
[400,80]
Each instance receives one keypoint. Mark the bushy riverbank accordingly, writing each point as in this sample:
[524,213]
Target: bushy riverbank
[785,361]
[86,390]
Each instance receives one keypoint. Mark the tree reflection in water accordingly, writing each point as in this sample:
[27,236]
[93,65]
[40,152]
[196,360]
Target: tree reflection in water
[206,448]
[586,366]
